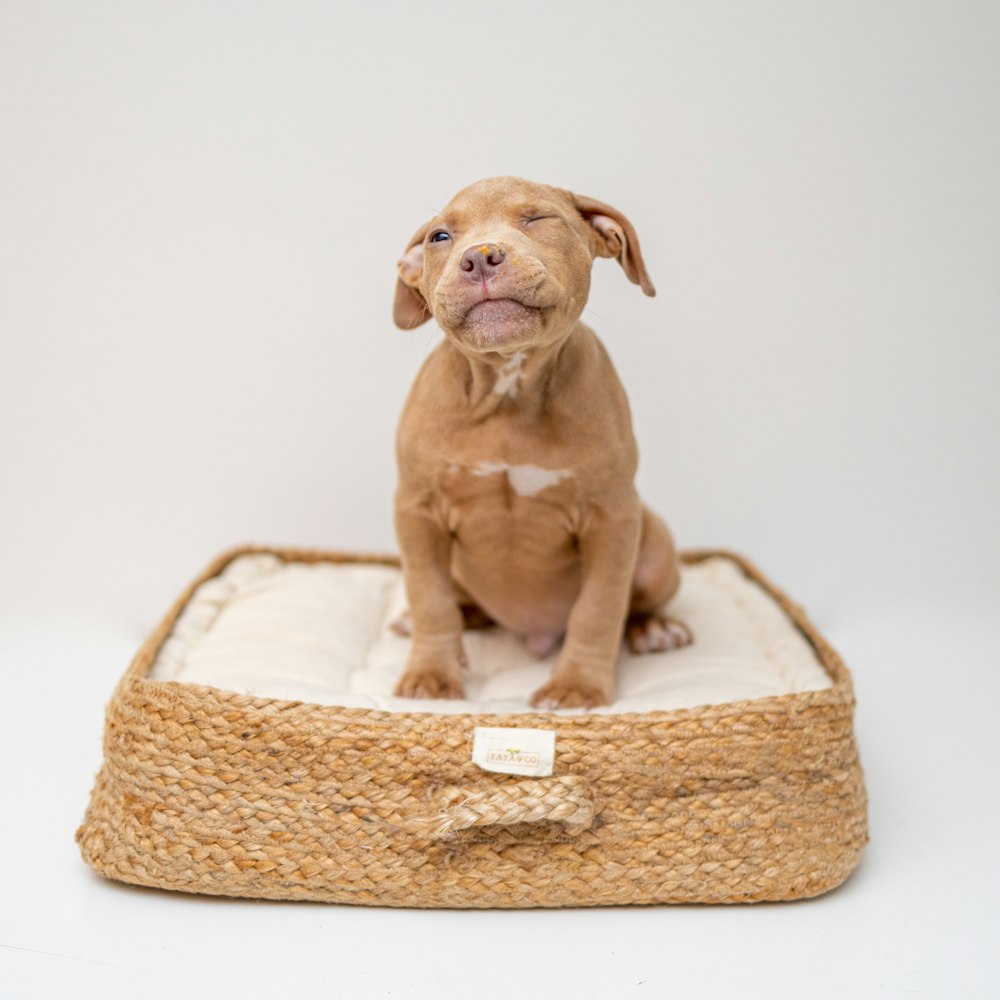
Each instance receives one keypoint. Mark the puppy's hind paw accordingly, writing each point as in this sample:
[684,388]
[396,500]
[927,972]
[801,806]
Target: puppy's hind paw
[473,617]
[402,625]
[651,633]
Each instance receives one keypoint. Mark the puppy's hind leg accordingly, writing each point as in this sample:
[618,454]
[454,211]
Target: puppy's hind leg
[473,616]
[655,581]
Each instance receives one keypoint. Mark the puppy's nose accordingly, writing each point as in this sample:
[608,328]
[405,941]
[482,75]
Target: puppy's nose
[481,261]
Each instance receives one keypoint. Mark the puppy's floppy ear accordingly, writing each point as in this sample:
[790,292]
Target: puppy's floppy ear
[409,308]
[615,237]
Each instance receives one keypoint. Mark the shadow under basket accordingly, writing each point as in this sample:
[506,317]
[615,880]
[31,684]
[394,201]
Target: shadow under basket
[212,791]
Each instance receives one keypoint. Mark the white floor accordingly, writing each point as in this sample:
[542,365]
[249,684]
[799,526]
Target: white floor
[918,918]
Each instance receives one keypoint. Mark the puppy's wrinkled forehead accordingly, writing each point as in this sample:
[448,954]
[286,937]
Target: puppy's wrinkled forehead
[503,199]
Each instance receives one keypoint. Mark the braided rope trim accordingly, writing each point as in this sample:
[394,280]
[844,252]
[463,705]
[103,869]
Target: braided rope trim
[215,792]
[565,799]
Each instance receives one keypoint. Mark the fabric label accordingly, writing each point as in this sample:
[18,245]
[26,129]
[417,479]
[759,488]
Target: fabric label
[514,751]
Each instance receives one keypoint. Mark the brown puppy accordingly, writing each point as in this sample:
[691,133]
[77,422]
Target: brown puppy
[516,500]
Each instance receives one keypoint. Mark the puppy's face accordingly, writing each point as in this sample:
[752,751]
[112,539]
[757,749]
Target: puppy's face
[506,264]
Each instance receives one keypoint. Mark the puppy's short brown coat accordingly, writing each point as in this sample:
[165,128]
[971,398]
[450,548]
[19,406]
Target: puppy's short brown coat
[516,501]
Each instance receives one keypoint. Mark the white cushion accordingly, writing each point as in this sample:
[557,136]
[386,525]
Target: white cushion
[319,633]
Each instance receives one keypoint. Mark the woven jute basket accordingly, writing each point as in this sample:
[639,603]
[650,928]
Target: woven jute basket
[210,791]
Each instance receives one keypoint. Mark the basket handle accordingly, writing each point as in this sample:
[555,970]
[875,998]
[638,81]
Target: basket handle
[561,799]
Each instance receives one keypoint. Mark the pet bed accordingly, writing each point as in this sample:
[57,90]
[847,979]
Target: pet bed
[253,749]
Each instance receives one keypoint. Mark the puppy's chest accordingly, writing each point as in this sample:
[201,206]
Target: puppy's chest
[476,490]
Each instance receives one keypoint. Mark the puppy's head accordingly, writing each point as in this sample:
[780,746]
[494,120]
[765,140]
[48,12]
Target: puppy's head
[506,264]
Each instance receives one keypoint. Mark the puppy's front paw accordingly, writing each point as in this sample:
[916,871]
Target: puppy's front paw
[570,692]
[430,680]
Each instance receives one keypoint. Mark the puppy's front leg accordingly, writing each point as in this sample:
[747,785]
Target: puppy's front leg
[584,675]
[434,667]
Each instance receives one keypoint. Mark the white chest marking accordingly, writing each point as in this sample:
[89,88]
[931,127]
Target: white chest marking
[506,384]
[525,480]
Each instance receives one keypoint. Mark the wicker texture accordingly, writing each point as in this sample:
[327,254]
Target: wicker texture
[215,792]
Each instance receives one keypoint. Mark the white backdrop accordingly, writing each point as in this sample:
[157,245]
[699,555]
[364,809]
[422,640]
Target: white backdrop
[202,206]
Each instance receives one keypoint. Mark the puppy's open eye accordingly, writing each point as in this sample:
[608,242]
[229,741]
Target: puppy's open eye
[438,237]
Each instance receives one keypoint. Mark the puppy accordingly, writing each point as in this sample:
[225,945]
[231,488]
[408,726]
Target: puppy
[516,502]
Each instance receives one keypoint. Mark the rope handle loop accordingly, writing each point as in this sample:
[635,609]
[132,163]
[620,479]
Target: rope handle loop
[562,799]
